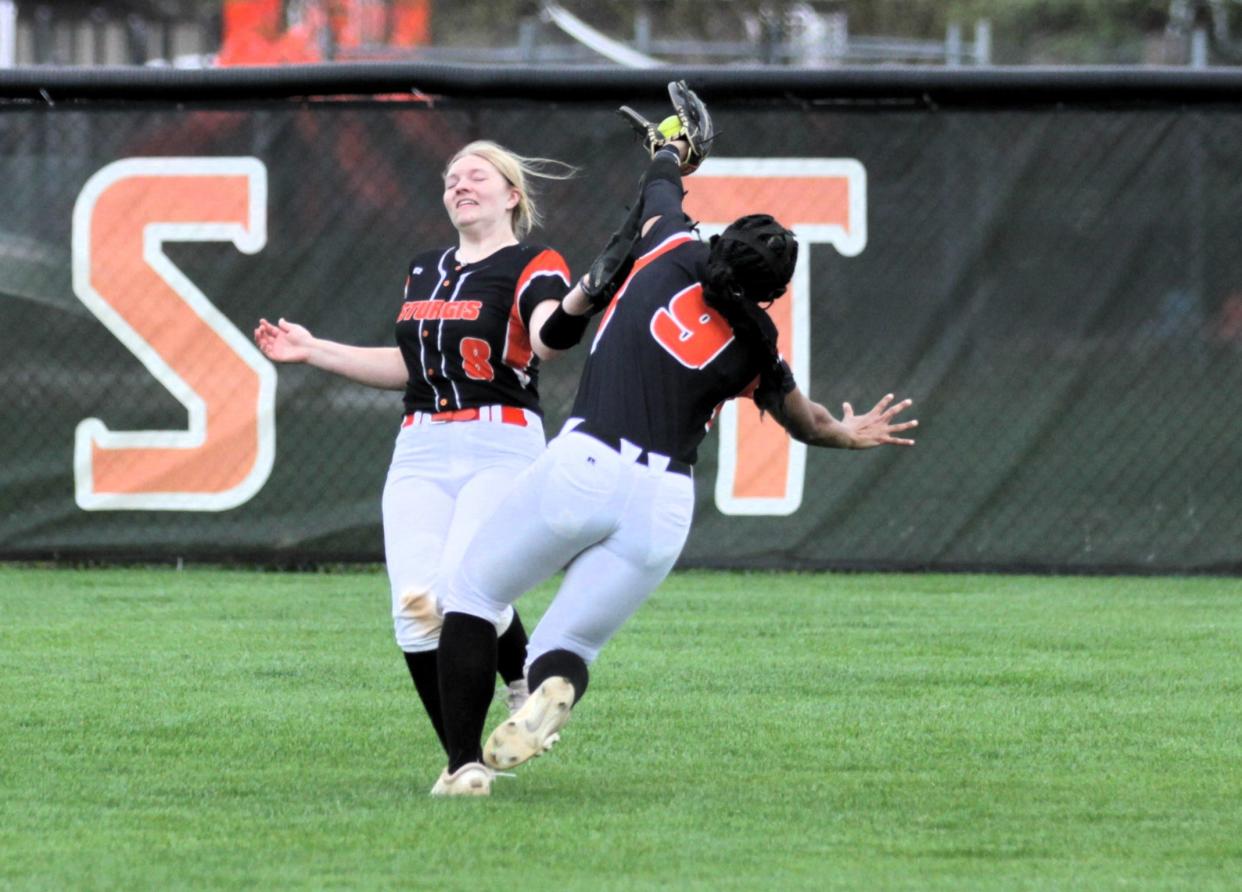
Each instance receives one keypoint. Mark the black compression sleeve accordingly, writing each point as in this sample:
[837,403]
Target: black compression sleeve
[561,331]
[663,193]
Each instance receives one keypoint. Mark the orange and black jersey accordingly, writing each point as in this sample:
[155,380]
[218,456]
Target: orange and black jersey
[463,328]
[662,360]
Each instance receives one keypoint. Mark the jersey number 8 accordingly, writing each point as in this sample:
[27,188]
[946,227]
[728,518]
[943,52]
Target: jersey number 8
[475,353]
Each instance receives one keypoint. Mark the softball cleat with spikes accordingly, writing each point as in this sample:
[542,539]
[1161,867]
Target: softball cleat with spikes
[471,779]
[533,729]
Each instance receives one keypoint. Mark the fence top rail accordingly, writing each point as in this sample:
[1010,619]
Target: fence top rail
[909,85]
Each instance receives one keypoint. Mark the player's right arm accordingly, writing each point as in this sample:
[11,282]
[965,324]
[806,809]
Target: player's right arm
[379,367]
[662,190]
[809,422]
[689,133]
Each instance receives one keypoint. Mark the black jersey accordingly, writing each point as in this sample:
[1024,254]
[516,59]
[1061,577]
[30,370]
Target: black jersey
[464,328]
[663,361]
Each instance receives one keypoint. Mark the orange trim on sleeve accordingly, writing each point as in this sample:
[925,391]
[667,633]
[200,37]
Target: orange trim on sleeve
[518,353]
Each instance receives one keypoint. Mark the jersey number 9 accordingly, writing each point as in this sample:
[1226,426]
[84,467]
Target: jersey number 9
[690,330]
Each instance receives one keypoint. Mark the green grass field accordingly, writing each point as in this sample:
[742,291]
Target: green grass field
[235,729]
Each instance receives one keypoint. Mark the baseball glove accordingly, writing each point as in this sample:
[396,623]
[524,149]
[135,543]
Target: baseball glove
[613,265]
[696,124]
[652,136]
[690,121]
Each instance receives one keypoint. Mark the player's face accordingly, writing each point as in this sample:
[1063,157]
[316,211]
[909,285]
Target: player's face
[475,193]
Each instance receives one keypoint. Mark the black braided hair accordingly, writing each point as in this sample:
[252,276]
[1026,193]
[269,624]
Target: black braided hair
[750,264]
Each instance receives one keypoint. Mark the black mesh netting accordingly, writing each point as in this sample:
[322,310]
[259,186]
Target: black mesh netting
[1059,290]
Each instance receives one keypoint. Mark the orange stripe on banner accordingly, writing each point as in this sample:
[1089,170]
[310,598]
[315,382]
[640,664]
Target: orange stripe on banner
[792,200]
[763,466]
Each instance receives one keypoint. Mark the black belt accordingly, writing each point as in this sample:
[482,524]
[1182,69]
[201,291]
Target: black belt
[614,443]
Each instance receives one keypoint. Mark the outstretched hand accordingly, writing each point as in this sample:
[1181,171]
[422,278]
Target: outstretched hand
[284,341]
[876,428]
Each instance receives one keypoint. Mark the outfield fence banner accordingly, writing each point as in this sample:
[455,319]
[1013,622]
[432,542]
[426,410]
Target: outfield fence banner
[1047,266]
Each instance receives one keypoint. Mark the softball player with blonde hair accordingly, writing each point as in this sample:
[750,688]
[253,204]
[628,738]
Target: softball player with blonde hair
[612,498]
[467,355]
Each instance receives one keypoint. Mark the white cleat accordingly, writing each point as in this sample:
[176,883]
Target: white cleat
[471,779]
[516,695]
[532,730]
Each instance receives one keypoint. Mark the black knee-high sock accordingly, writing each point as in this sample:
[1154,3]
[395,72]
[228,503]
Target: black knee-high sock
[511,651]
[426,675]
[467,682]
[564,663]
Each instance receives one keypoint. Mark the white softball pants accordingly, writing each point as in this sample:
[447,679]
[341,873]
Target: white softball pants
[445,478]
[615,524]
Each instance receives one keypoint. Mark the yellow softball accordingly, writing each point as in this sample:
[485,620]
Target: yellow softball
[670,127]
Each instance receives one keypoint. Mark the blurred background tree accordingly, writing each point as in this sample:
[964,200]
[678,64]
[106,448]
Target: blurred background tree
[831,32]
[1023,32]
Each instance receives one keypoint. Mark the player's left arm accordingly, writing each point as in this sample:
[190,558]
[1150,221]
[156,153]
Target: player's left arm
[810,422]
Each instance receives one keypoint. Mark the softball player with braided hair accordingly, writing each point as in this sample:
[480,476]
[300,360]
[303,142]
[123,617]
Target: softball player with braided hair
[612,498]
[467,358]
